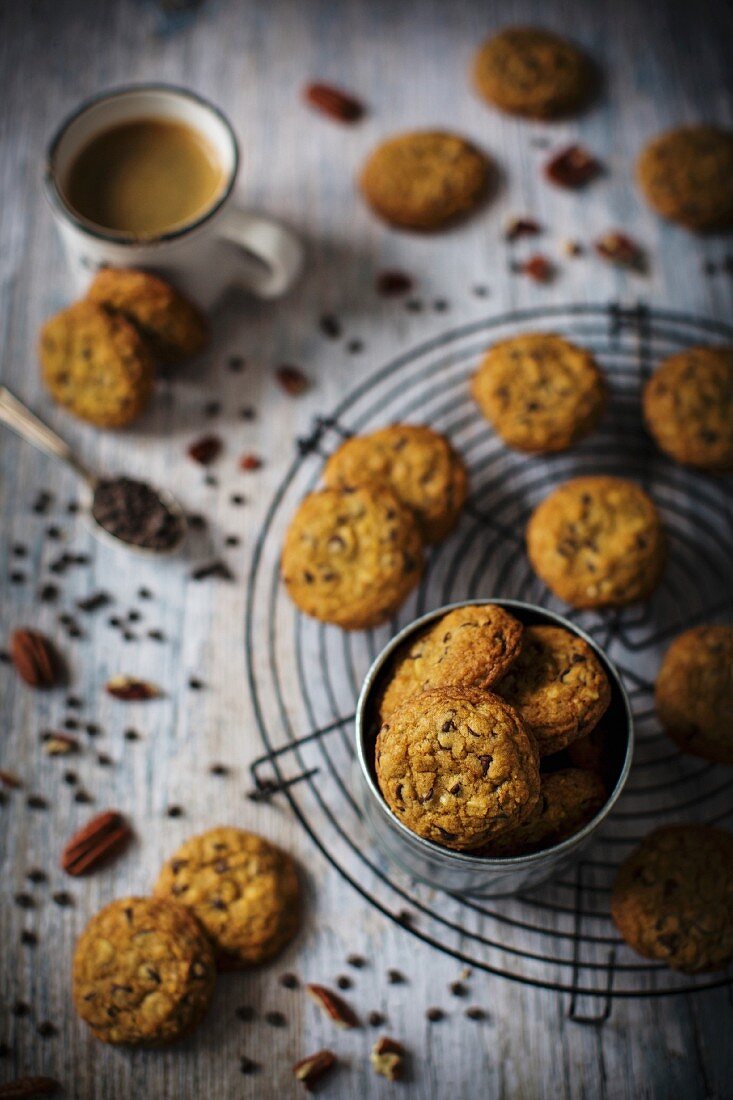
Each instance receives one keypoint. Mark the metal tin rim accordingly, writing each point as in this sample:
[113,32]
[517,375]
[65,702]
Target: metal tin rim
[465,859]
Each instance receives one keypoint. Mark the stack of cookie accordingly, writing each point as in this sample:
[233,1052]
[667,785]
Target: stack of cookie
[478,719]
[144,968]
[354,550]
[99,356]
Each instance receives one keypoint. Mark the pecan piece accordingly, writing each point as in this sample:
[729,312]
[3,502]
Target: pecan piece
[538,268]
[250,462]
[334,102]
[291,380]
[620,249]
[205,450]
[35,658]
[9,780]
[388,1058]
[101,838]
[26,1087]
[129,689]
[310,1070]
[521,227]
[572,167]
[334,1006]
[59,744]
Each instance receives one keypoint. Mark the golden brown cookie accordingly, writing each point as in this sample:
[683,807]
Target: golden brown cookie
[457,766]
[351,556]
[528,71]
[540,392]
[558,686]
[143,972]
[424,179]
[597,542]
[174,326]
[96,364]
[686,175]
[418,464]
[468,647]
[673,898]
[694,692]
[595,753]
[688,407]
[242,888]
[568,800]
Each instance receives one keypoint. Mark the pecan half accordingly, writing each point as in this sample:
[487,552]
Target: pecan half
[129,689]
[26,1087]
[572,167]
[35,658]
[310,1070]
[205,449]
[291,380]
[334,1006]
[388,1058]
[96,842]
[334,102]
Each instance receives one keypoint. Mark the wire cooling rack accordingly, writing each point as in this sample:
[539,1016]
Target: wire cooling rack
[304,677]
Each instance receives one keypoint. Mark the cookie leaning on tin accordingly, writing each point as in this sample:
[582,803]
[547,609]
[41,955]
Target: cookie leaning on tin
[425,179]
[243,889]
[457,766]
[686,175]
[351,556]
[417,464]
[532,72]
[694,692]
[688,407]
[541,393]
[143,972]
[597,542]
[96,364]
[467,647]
[171,323]
[673,898]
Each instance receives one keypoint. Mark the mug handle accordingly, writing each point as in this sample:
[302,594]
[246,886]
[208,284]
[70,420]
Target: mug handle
[272,255]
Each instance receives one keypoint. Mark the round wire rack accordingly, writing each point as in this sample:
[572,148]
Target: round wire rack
[304,676]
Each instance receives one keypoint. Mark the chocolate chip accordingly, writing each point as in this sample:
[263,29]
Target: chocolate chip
[434,1014]
[24,901]
[21,1009]
[36,876]
[131,735]
[289,981]
[245,1013]
[375,1019]
[28,938]
[475,1013]
[247,1065]
[395,977]
[344,982]
[218,769]
[458,989]
[174,811]
[47,1030]
[62,898]
[275,1019]
[330,326]
[36,802]
[70,778]
[357,961]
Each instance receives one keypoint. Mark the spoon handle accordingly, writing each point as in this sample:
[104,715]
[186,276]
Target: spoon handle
[15,415]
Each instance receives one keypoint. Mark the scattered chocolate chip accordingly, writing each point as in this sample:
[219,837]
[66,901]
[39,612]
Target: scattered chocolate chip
[134,616]
[92,729]
[292,380]
[414,305]
[344,982]
[211,481]
[236,363]
[458,989]
[47,593]
[70,724]
[390,284]
[434,1015]
[42,502]
[73,702]
[24,901]
[174,811]
[232,540]
[481,291]
[196,522]
[245,1013]
[70,778]
[357,961]
[521,227]
[104,760]
[53,533]
[218,769]
[21,1009]
[131,735]
[195,684]
[94,602]
[247,1065]
[440,305]
[572,167]
[395,977]
[36,802]
[82,797]
[17,578]
[375,1019]
[218,569]
[237,499]
[28,938]
[250,462]
[289,981]
[405,918]
[36,876]
[156,635]
[355,346]
[475,1013]
[247,413]
[205,450]
[62,898]
[330,326]
[47,1030]
[4,657]
[275,1019]
[212,408]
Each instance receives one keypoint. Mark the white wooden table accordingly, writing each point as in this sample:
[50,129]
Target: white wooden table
[663,63]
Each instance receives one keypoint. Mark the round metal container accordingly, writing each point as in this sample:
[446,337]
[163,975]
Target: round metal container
[461,872]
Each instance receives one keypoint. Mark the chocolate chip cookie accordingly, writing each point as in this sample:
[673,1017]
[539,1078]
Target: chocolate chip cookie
[468,647]
[558,686]
[174,326]
[595,753]
[688,407]
[597,542]
[96,364]
[540,392]
[673,898]
[686,175]
[694,692]
[418,464]
[531,72]
[425,179]
[243,890]
[351,556]
[143,972]
[568,800]
[457,766]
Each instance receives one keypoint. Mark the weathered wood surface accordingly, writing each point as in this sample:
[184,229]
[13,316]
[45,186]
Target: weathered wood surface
[663,63]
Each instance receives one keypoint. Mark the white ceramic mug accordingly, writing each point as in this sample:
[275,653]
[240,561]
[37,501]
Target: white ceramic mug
[221,247]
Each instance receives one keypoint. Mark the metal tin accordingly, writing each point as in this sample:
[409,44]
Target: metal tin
[461,872]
